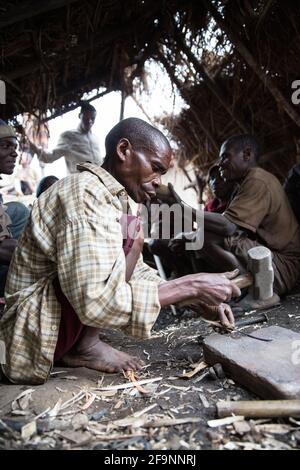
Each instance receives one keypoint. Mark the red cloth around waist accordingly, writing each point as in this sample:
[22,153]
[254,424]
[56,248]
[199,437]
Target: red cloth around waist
[71,328]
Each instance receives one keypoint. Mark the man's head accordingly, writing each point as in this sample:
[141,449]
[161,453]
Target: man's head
[8,148]
[237,155]
[137,154]
[87,116]
[44,184]
[222,189]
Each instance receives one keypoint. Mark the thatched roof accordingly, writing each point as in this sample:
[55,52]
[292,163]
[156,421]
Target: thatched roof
[52,52]
[243,84]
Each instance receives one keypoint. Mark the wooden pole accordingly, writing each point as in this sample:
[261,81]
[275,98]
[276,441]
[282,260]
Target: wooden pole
[122,107]
[259,408]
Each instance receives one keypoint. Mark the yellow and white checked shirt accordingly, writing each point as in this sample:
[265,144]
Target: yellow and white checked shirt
[73,232]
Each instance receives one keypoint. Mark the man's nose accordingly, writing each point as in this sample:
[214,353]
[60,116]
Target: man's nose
[157,181]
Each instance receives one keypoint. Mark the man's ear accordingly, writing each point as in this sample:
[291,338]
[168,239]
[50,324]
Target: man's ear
[124,149]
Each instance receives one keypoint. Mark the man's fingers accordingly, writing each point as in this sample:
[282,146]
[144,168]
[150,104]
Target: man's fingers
[226,316]
[229,315]
[231,274]
[235,290]
[222,317]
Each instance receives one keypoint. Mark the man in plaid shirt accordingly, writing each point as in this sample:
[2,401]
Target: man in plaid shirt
[74,272]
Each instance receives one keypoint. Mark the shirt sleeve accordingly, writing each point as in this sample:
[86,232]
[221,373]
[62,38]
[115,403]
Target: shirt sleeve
[62,149]
[91,271]
[250,206]
[4,223]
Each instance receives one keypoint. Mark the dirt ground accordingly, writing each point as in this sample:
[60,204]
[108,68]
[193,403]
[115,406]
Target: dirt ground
[78,409]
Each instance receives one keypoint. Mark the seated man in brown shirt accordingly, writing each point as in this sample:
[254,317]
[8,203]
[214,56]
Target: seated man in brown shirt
[259,214]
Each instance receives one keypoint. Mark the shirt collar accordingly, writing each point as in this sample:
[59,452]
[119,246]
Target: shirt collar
[79,129]
[113,186]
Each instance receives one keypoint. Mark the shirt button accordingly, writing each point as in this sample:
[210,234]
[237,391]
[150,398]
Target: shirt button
[53,327]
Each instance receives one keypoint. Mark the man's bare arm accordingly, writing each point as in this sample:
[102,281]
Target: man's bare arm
[217,223]
[211,289]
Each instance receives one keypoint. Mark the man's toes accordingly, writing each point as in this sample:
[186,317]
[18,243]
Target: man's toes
[136,363]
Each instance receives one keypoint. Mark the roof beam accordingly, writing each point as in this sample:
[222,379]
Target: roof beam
[30,9]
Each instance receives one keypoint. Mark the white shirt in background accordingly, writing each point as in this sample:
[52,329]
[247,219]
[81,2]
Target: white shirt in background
[77,147]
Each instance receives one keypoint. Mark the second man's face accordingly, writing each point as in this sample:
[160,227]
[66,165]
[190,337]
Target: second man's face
[231,162]
[8,155]
[87,119]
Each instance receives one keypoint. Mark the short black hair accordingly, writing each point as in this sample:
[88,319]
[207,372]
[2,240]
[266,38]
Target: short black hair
[140,134]
[86,106]
[45,183]
[243,141]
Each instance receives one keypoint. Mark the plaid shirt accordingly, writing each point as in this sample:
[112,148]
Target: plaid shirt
[4,222]
[73,232]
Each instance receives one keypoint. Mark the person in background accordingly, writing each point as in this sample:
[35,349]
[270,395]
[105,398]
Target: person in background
[223,191]
[76,146]
[45,183]
[13,215]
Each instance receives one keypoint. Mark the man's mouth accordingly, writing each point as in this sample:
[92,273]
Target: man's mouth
[150,195]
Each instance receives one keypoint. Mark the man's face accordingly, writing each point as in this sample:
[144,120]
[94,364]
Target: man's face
[8,155]
[87,119]
[232,163]
[218,185]
[143,171]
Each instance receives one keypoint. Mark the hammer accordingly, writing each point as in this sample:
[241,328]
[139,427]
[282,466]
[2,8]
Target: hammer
[261,274]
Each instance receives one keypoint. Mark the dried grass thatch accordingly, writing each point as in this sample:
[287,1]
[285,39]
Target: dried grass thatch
[53,52]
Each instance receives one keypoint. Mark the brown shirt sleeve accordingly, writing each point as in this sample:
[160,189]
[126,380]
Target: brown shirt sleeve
[251,204]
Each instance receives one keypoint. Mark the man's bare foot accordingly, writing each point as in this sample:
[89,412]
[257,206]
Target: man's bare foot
[101,356]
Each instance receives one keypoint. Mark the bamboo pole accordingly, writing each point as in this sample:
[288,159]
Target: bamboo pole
[259,408]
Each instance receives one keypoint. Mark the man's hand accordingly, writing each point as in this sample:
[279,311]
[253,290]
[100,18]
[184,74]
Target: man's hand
[222,313]
[211,289]
[34,149]
[177,244]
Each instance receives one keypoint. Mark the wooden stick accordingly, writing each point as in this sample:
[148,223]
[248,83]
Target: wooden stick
[244,280]
[259,408]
